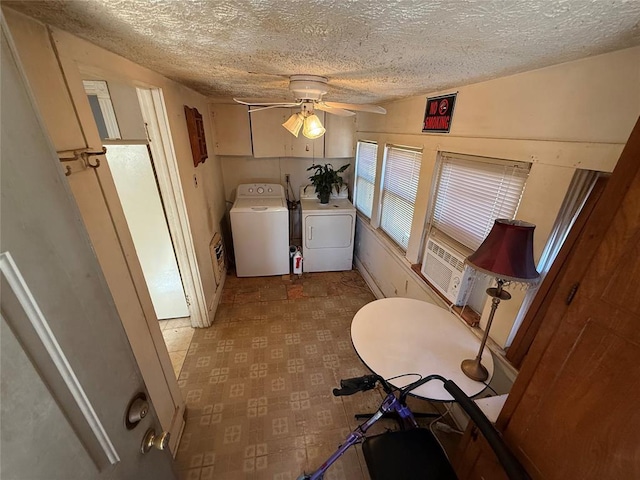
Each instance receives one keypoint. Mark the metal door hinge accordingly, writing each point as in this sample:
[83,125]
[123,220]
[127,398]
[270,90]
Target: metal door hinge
[572,293]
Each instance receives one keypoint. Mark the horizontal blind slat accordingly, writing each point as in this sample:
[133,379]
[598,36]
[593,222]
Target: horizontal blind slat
[366,160]
[471,195]
[400,187]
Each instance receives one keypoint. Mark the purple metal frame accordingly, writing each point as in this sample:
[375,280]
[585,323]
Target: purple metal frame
[391,403]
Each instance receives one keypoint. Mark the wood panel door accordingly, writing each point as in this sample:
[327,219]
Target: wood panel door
[573,411]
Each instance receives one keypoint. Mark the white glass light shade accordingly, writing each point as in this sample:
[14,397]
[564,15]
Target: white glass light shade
[294,124]
[312,127]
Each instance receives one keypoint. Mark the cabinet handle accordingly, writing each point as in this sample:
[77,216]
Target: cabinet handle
[572,293]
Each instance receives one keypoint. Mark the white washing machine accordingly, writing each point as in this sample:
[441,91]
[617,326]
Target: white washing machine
[260,230]
[327,231]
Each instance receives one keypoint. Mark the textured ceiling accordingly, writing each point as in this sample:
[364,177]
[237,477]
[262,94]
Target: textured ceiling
[371,51]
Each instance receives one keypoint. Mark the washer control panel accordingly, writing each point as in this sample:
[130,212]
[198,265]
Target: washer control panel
[260,190]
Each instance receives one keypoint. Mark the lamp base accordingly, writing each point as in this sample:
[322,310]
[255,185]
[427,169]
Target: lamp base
[473,369]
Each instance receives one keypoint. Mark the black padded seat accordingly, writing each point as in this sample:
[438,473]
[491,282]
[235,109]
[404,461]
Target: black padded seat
[406,455]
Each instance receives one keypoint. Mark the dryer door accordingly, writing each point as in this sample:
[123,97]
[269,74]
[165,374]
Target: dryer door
[328,231]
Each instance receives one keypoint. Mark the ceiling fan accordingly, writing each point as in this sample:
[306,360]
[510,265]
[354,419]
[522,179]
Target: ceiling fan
[308,91]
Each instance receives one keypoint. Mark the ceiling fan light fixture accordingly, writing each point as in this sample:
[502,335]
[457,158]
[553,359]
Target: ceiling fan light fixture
[294,124]
[313,127]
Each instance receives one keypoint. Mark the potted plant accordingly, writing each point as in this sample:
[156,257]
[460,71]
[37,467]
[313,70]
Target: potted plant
[325,178]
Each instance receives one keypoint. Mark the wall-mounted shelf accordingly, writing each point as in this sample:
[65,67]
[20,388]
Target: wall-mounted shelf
[195,127]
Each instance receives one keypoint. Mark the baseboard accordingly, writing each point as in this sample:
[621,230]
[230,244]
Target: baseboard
[368,278]
[213,307]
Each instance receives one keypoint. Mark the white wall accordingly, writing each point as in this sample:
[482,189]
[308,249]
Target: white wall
[573,115]
[237,170]
[134,178]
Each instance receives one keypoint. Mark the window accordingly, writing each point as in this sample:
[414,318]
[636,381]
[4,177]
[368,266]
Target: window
[472,192]
[366,159]
[399,189]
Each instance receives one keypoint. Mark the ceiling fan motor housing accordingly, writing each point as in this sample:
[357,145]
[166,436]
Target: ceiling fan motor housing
[308,87]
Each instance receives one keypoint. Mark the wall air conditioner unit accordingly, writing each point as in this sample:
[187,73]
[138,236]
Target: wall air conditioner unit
[444,267]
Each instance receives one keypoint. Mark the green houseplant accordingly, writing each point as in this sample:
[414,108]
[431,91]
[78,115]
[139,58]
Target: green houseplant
[325,178]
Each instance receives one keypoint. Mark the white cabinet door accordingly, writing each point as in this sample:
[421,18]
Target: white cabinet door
[339,141]
[232,129]
[270,139]
[268,135]
[302,147]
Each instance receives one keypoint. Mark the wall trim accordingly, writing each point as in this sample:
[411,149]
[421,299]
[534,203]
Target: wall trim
[152,106]
[215,302]
[368,278]
[586,155]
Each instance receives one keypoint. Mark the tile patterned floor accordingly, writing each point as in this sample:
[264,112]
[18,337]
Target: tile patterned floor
[258,382]
[177,334]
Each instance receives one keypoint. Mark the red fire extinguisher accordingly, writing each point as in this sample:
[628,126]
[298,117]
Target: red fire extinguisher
[297,263]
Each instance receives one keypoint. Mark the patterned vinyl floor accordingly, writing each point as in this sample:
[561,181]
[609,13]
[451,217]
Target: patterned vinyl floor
[258,382]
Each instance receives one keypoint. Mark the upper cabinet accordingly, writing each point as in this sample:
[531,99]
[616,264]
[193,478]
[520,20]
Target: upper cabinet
[270,139]
[267,134]
[260,134]
[232,129]
[339,140]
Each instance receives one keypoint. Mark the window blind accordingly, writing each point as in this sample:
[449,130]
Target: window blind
[366,159]
[472,194]
[399,189]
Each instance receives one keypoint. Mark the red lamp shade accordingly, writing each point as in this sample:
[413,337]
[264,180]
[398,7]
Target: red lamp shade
[507,252]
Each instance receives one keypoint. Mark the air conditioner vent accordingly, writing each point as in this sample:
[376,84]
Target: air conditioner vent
[445,269]
[455,262]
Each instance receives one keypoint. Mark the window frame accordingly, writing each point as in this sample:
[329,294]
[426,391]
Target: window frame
[356,177]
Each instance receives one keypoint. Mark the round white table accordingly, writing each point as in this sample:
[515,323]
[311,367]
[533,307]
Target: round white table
[395,336]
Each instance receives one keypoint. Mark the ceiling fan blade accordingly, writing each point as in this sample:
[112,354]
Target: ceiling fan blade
[259,102]
[359,108]
[335,111]
[257,108]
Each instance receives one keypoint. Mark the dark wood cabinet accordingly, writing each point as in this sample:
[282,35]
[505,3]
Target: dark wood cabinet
[195,126]
[475,459]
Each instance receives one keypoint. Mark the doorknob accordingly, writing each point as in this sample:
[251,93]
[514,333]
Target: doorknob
[161,442]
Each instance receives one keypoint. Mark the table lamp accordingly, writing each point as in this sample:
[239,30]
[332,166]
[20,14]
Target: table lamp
[507,255]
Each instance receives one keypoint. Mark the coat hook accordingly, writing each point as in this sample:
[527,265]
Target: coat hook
[87,157]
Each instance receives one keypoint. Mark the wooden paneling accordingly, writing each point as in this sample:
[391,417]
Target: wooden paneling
[533,319]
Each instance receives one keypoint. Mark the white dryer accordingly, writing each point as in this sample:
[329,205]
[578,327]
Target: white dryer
[260,230]
[327,231]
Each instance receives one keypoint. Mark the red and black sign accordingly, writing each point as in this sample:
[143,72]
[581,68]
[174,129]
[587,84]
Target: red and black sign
[437,116]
